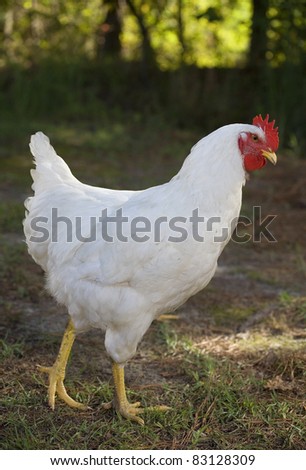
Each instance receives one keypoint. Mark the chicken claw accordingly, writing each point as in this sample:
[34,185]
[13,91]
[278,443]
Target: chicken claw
[121,403]
[130,411]
[58,370]
[56,385]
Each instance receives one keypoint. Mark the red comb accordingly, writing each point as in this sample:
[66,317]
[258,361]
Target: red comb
[269,130]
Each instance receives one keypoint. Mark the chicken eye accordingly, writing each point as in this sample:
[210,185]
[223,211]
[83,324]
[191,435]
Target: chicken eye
[255,137]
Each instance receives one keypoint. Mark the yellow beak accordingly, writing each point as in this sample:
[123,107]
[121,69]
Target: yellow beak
[269,155]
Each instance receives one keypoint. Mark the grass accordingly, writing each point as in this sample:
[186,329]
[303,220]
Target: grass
[216,404]
[9,351]
[11,215]
[231,367]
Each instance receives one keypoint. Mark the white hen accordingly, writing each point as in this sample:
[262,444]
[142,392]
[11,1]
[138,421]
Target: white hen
[161,247]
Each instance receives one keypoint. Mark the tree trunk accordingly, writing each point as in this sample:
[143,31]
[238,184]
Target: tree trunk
[258,45]
[148,53]
[180,28]
[108,36]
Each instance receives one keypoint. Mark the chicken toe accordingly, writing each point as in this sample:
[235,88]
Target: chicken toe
[58,370]
[121,403]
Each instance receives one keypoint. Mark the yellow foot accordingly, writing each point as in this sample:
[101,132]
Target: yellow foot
[56,385]
[131,410]
[126,409]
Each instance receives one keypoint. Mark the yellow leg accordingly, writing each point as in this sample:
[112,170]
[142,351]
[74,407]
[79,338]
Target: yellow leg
[58,370]
[167,316]
[126,409]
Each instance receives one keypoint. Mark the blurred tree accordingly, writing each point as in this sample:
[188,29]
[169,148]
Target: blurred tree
[36,29]
[148,53]
[180,30]
[203,33]
[258,43]
[108,33]
[278,32]
[166,33]
[287,31]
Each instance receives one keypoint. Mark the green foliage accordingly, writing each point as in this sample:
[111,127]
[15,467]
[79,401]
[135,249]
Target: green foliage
[35,30]
[200,33]
[190,98]
[190,61]
[287,31]
[206,33]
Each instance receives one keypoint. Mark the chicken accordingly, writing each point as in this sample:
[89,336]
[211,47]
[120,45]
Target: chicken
[119,259]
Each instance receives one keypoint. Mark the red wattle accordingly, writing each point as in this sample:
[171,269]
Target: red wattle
[254,162]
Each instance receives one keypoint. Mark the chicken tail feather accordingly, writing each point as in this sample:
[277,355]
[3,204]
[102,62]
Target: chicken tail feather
[51,169]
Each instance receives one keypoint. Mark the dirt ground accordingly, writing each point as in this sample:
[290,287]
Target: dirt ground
[232,365]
